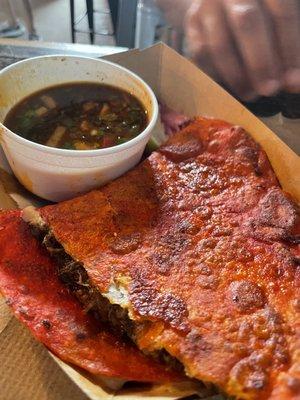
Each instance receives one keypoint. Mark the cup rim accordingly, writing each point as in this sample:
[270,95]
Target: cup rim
[86,153]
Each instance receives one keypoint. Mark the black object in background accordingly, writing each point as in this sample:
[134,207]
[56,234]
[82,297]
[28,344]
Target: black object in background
[123,16]
[286,103]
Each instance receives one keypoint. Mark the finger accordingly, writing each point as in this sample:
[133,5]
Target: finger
[223,53]
[286,20]
[195,41]
[254,39]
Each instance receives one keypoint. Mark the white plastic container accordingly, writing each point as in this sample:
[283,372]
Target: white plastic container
[58,174]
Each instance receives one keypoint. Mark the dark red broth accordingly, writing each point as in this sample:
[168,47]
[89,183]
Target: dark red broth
[78,116]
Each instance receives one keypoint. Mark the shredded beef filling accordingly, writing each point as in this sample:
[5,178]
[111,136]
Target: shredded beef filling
[75,277]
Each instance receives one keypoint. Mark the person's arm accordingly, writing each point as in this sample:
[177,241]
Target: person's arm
[175,11]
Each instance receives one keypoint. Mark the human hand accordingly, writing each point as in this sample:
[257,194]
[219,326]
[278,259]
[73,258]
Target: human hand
[252,46]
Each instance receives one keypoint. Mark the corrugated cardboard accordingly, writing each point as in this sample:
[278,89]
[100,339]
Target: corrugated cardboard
[27,372]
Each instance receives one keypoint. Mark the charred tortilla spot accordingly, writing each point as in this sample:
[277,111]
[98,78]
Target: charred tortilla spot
[249,374]
[197,346]
[126,244]
[246,296]
[294,239]
[163,262]
[281,355]
[178,152]
[293,384]
[204,212]
[81,336]
[168,251]
[203,269]
[274,217]
[148,302]
[258,170]
[188,227]
[255,157]
[46,324]
[277,210]
[251,155]
[256,380]
[207,282]
[207,244]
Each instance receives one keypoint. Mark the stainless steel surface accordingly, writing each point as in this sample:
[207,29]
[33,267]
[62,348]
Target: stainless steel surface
[15,50]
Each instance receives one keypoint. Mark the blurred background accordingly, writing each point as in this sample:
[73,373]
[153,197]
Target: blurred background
[95,21]
[52,20]
[129,24]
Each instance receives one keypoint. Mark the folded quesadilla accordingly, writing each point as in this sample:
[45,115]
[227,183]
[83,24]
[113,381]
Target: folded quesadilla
[193,255]
[31,286]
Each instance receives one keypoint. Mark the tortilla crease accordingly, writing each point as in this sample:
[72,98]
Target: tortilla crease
[200,245]
[30,284]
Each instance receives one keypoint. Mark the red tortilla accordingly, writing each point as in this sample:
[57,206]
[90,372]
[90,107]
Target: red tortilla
[29,282]
[206,245]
